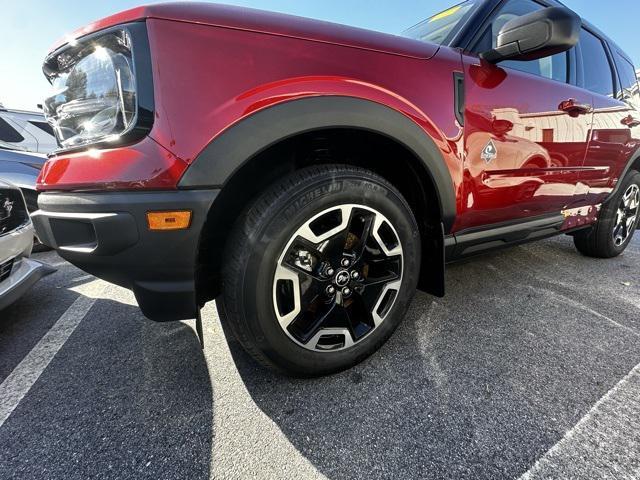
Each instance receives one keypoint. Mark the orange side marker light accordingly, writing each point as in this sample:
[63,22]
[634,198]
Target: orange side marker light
[178,220]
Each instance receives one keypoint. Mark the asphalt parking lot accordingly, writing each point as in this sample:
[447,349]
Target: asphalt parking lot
[529,367]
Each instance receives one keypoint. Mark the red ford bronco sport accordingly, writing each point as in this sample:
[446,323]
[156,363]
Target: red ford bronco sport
[309,176]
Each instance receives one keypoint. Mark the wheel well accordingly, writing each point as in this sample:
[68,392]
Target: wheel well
[366,149]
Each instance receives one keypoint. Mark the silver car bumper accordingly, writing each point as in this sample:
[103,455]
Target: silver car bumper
[15,247]
[22,278]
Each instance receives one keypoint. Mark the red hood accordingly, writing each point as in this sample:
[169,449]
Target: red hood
[264,22]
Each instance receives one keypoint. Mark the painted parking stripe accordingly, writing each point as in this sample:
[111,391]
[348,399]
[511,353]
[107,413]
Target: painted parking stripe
[604,444]
[22,378]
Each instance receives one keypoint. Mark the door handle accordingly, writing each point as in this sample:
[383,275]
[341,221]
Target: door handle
[630,121]
[574,108]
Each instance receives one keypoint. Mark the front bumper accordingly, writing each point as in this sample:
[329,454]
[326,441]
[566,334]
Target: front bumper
[106,234]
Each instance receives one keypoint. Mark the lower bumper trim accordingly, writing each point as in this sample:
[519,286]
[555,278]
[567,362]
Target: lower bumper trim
[107,235]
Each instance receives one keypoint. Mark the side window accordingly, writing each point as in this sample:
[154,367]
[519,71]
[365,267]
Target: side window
[8,133]
[597,75]
[555,67]
[44,126]
[628,80]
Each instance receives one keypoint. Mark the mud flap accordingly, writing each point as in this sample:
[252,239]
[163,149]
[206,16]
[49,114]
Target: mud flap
[199,327]
[433,261]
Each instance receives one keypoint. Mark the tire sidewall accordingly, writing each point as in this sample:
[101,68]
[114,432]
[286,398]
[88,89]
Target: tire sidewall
[287,214]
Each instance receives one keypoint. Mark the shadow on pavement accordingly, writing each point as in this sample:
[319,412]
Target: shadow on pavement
[479,384]
[23,323]
[124,398]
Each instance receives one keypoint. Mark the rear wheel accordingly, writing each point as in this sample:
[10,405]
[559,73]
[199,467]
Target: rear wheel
[320,270]
[617,223]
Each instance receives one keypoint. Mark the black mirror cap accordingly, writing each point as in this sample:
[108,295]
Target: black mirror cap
[536,35]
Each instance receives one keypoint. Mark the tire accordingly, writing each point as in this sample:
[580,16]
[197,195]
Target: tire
[258,300]
[608,239]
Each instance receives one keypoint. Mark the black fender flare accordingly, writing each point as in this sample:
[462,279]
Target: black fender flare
[229,151]
[635,158]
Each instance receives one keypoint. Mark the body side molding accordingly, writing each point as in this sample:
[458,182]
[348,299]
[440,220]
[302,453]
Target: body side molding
[237,145]
[475,241]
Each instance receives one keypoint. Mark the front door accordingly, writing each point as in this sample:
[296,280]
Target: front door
[526,132]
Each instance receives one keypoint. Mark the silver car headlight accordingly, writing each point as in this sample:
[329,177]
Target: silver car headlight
[94,93]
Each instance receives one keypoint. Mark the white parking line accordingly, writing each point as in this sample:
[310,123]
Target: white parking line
[22,378]
[603,444]
[581,306]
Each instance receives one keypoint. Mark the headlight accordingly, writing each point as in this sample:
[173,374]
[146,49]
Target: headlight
[94,95]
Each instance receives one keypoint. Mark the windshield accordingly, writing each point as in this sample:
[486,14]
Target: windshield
[440,27]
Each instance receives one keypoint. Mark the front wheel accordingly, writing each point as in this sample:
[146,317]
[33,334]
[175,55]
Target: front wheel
[320,270]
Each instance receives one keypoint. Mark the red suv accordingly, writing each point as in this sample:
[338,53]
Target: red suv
[309,176]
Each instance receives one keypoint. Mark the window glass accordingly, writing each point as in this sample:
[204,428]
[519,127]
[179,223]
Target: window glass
[44,126]
[441,26]
[629,82]
[555,67]
[595,64]
[8,133]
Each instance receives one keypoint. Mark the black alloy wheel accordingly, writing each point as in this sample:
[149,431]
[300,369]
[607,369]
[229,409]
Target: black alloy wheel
[337,278]
[320,270]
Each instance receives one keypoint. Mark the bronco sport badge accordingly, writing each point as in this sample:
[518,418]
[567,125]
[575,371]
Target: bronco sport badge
[489,152]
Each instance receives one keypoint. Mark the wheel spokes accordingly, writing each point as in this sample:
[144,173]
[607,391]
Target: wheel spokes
[383,270]
[286,295]
[626,215]
[360,225]
[385,301]
[326,225]
[304,257]
[338,278]
[630,198]
[618,234]
[360,317]
[391,247]
[341,336]
[314,319]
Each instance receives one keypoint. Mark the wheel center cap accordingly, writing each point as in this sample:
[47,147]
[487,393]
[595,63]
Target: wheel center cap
[342,278]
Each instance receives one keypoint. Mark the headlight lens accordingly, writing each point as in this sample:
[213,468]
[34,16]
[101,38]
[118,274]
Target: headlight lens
[94,91]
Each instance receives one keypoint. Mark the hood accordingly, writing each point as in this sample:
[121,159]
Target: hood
[249,19]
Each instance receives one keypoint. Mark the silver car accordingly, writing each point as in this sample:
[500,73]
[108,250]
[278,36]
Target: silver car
[21,169]
[18,273]
[28,131]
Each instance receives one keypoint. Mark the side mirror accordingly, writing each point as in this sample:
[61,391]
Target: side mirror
[536,35]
